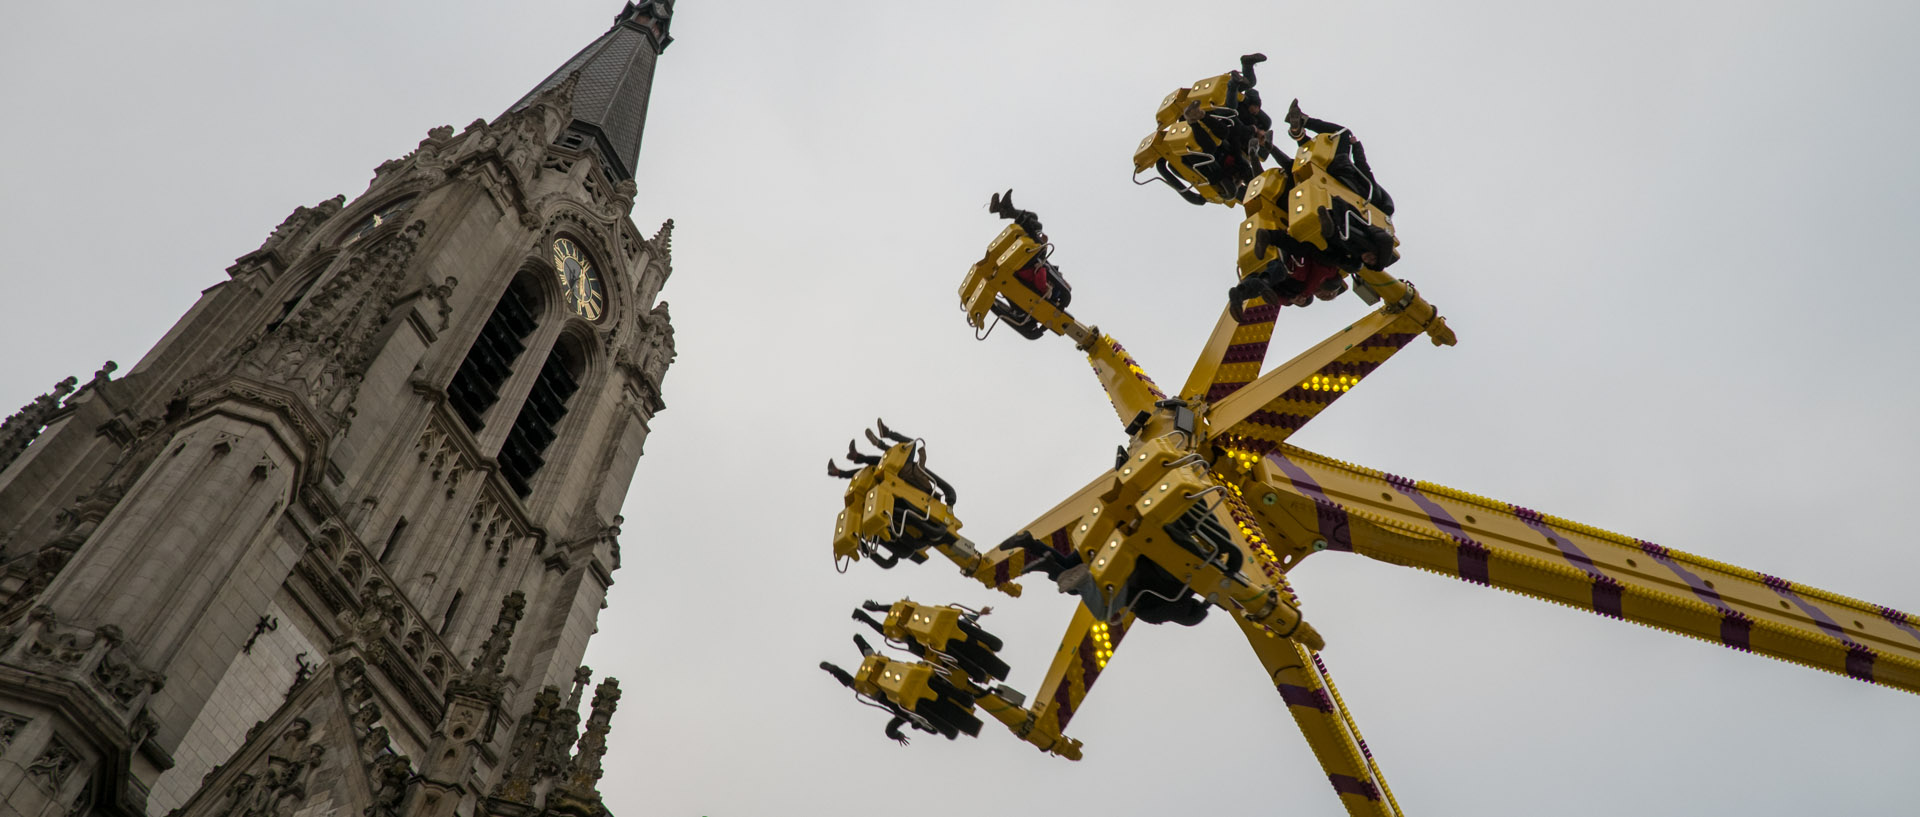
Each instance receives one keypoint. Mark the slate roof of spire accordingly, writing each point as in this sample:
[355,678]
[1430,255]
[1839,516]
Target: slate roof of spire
[616,79]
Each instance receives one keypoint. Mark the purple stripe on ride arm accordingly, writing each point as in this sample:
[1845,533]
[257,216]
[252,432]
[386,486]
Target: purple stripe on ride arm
[1296,695]
[1859,656]
[1334,524]
[1060,542]
[1436,514]
[1606,589]
[1473,556]
[1348,784]
[1264,313]
[1899,619]
[1736,628]
[1219,391]
[1244,353]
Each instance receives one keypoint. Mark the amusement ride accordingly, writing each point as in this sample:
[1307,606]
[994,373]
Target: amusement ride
[1208,508]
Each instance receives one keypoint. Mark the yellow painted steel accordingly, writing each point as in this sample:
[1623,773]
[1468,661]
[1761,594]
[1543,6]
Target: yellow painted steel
[1209,508]
[1175,141]
[1265,211]
[1128,386]
[1299,676]
[993,277]
[882,506]
[930,624]
[1083,655]
[1418,524]
[1179,145]
[1314,188]
[902,682]
[874,498]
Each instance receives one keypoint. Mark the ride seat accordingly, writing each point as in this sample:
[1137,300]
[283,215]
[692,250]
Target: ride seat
[1314,188]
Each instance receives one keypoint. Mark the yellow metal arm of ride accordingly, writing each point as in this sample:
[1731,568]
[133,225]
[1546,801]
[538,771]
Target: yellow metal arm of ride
[1300,676]
[1331,505]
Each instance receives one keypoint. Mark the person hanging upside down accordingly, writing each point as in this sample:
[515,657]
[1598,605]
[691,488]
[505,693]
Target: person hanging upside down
[1039,275]
[1299,274]
[1233,137]
[1350,160]
[1353,241]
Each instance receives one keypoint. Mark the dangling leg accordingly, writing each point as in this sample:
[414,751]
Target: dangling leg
[1247,63]
[1377,195]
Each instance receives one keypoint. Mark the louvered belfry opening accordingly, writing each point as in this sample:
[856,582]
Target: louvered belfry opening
[476,386]
[521,455]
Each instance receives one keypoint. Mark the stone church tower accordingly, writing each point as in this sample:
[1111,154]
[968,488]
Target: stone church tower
[335,546]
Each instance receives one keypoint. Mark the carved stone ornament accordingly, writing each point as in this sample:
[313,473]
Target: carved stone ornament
[55,764]
[278,784]
[489,667]
[389,777]
[528,750]
[659,346]
[20,429]
[286,239]
[566,728]
[380,618]
[321,351]
[442,293]
[583,774]
[50,645]
[661,245]
[124,681]
[388,774]
[10,726]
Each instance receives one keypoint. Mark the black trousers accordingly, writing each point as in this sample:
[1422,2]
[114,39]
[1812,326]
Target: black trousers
[1350,166]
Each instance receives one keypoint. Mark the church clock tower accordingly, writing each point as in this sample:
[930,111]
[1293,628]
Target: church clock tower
[337,543]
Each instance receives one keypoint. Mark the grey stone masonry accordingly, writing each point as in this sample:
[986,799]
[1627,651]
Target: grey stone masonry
[277,567]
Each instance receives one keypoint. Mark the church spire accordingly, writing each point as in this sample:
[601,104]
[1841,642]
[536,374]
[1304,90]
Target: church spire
[616,79]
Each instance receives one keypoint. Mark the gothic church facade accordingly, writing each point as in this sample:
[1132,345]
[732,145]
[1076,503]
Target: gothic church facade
[335,545]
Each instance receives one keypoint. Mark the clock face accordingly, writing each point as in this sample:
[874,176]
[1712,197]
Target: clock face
[584,293]
[373,222]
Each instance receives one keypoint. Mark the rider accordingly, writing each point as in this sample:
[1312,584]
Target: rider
[1039,275]
[1349,164]
[1238,140]
[1001,204]
[1299,275]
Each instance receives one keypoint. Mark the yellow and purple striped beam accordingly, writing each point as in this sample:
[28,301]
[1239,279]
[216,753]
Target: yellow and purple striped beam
[1345,507]
[1300,677]
[1233,354]
[1085,649]
[999,566]
[1256,419]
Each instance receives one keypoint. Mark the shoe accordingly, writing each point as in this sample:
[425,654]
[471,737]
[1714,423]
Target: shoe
[1234,309]
[1002,204]
[1252,59]
[1261,243]
[1295,119]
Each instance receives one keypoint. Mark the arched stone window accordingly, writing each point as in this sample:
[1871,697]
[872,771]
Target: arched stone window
[522,454]
[476,386]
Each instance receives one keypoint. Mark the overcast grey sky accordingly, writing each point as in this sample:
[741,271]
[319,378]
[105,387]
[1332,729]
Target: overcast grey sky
[1671,237]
